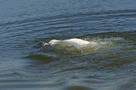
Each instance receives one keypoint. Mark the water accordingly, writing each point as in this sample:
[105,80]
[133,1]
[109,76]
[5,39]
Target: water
[25,64]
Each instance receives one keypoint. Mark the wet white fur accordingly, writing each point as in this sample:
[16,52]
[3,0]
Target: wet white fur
[79,43]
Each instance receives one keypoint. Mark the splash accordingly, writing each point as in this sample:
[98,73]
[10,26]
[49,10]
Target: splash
[76,45]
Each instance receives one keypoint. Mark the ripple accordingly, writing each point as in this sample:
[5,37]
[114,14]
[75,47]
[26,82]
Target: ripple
[42,59]
[108,65]
[78,88]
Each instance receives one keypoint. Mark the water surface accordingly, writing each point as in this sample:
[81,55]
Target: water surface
[26,65]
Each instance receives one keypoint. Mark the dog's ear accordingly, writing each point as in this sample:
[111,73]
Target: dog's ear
[41,44]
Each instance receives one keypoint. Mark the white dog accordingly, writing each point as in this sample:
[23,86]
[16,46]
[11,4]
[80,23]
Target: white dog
[78,43]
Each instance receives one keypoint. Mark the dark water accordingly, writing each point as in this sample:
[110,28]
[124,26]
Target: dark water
[26,23]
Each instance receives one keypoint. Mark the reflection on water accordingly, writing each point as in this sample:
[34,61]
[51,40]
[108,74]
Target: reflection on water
[89,45]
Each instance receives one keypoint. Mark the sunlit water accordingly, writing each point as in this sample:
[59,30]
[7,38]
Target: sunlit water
[95,48]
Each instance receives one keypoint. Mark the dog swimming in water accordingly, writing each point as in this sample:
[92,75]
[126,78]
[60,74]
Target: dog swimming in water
[78,43]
